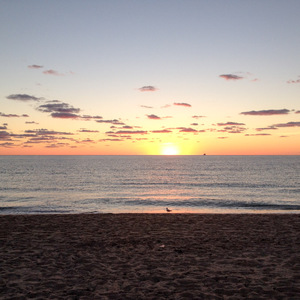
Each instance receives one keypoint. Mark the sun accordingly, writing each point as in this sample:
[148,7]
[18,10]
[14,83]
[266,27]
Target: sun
[169,149]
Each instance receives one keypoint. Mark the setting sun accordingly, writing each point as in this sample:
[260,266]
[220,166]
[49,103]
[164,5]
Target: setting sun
[170,149]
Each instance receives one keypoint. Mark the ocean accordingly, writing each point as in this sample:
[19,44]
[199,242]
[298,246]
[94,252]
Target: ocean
[145,184]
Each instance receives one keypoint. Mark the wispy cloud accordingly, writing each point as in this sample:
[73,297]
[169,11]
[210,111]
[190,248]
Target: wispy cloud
[23,97]
[52,72]
[145,106]
[294,81]
[232,127]
[114,122]
[231,77]
[182,104]
[87,130]
[187,130]
[47,132]
[198,117]
[258,134]
[66,115]
[266,128]
[31,122]
[13,115]
[153,117]
[268,112]
[162,131]
[289,124]
[230,124]
[111,140]
[148,88]
[131,132]
[35,67]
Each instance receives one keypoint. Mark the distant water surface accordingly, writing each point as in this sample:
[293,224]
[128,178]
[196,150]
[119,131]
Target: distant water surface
[113,184]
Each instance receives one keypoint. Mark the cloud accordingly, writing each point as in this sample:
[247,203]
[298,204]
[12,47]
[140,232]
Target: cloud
[13,115]
[52,72]
[294,81]
[63,110]
[188,130]
[131,132]
[4,127]
[23,97]
[35,67]
[231,77]
[64,115]
[87,117]
[198,117]
[230,124]
[87,130]
[145,106]
[7,145]
[148,88]
[266,128]
[114,122]
[32,122]
[162,131]
[258,134]
[57,145]
[153,117]
[289,124]
[166,106]
[297,112]
[47,132]
[182,104]
[232,127]
[111,140]
[4,135]
[269,112]
[56,106]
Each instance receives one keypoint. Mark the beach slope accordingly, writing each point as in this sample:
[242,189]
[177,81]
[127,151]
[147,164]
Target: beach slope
[150,256]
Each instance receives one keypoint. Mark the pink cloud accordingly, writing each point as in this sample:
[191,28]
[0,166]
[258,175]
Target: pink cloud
[182,104]
[230,124]
[188,130]
[131,132]
[198,117]
[52,72]
[294,81]
[289,124]
[161,131]
[269,112]
[153,117]
[231,77]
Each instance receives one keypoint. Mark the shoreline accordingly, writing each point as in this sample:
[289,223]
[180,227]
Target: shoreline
[150,256]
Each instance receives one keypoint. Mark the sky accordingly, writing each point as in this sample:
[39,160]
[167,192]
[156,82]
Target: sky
[150,77]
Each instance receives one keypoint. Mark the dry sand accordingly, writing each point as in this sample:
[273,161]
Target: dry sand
[150,256]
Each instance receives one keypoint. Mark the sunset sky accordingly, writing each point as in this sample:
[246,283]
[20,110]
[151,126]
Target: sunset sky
[150,77]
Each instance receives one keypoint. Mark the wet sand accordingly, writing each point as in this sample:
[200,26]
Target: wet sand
[150,256]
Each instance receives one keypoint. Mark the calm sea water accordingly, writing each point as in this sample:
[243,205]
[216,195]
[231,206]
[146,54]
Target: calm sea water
[81,184]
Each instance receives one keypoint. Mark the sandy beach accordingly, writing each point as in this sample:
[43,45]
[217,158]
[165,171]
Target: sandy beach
[150,256]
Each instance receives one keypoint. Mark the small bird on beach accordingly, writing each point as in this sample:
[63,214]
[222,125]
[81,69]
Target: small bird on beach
[168,210]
